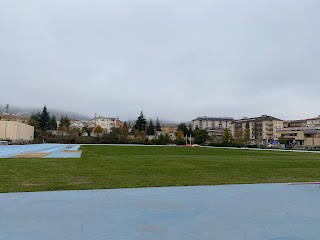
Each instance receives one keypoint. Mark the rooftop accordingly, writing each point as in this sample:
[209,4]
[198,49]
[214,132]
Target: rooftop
[262,117]
[214,118]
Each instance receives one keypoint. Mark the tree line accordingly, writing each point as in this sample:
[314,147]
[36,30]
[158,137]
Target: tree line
[44,123]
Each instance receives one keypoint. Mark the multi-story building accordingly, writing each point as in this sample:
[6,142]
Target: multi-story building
[295,123]
[301,133]
[107,123]
[259,130]
[216,132]
[78,123]
[169,128]
[313,122]
[301,137]
[211,122]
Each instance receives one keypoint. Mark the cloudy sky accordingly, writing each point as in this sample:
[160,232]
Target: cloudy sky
[173,59]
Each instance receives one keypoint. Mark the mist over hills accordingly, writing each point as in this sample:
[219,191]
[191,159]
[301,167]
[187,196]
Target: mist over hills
[24,111]
[162,121]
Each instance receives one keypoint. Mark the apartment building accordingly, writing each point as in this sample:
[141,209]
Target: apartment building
[211,122]
[78,123]
[295,123]
[313,122]
[107,123]
[259,130]
[216,132]
[169,128]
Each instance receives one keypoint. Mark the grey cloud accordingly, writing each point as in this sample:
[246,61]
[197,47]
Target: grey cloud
[172,59]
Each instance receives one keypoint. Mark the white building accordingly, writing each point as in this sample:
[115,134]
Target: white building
[106,123]
[211,122]
[313,122]
[79,123]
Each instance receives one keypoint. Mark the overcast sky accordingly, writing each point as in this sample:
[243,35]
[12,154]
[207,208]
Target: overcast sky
[173,59]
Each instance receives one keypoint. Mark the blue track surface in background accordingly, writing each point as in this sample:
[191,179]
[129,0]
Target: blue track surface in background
[54,150]
[241,212]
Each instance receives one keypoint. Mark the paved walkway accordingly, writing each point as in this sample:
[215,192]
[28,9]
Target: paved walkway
[241,212]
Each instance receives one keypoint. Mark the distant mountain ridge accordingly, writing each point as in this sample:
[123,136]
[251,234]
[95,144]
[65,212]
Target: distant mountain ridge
[24,111]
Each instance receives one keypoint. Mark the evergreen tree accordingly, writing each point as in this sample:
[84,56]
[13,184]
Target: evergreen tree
[67,121]
[150,130]
[158,125]
[53,123]
[141,123]
[61,122]
[44,119]
[190,129]
[64,122]
[34,120]
[201,136]
[183,128]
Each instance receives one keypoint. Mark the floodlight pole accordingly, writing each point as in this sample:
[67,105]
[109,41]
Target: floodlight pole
[190,140]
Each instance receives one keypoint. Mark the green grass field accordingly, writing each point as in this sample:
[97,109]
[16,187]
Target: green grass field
[104,167]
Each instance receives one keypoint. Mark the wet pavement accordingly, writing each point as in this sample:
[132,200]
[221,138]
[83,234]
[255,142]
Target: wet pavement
[229,212]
